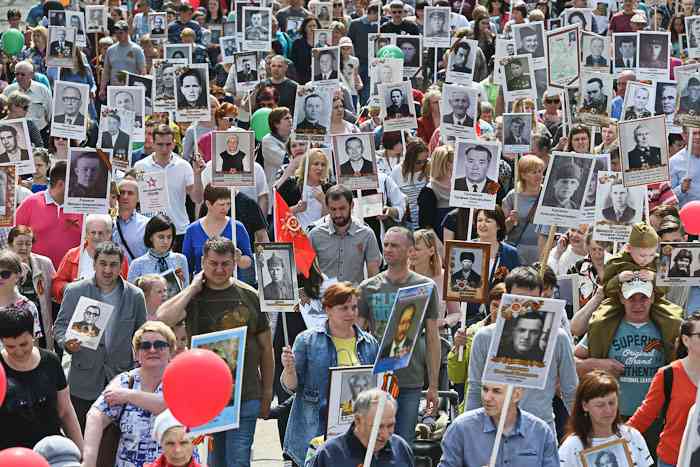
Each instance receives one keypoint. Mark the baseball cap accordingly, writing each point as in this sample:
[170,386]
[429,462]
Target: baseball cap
[396,4]
[121,25]
[638,18]
[635,286]
[58,451]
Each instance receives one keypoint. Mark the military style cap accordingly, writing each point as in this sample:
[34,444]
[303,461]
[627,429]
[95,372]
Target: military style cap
[643,236]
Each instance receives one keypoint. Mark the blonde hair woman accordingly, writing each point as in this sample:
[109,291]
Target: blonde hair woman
[36,54]
[305,192]
[430,114]
[434,198]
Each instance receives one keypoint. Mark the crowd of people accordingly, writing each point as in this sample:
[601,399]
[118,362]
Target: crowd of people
[624,365]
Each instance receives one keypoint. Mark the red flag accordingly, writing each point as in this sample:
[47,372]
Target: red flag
[288,229]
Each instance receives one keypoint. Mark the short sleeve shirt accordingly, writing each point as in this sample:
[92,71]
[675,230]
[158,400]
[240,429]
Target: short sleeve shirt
[346,351]
[24,303]
[571,448]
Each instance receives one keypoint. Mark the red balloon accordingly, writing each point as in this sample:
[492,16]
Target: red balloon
[690,216]
[3,384]
[21,457]
[197,386]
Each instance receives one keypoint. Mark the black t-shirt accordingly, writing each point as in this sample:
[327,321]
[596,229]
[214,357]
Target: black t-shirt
[406,27]
[287,90]
[30,410]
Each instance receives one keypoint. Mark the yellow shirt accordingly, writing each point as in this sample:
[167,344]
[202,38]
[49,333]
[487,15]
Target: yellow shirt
[346,350]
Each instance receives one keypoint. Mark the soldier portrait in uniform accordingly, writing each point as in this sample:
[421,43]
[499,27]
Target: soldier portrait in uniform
[157,23]
[278,287]
[529,39]
[88,175]
[277,276]
[690,97]
[61,46]
[466,272]
[566,184]
[594,98]
[517,75]
[644,154]
[637,101]
[644,151]
[681,263]
[87,326]
[396,105]
[313,108]
[618,211]
[653,51]
[255,25]
[521,337]
[466,276]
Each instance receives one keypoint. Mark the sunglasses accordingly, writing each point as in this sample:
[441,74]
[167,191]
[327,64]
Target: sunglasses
[148,345]
[551,101]
[231,120]
[6,274]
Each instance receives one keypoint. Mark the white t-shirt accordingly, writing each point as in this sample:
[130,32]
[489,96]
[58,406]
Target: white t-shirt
[572,446]
[86,266]
[314,209]
[254,192]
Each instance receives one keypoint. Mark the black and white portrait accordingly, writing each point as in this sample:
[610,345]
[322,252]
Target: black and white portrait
[475,175]
[145,82]
[618,210]
[465,272]
[617,207]
[57,18]
[517,129]
[8,182]
[173,285]
[460,62]
[639,101]
[679,264]
[95,18]
[87,181]
[61,46]
[356,166]
[233,156]
[322,38]
[376,42]
[129,98]
[227,45]
[398,109]
[563,58]
[625,51]
[179,51]
[692,28]
[89,322]
[665,102]
[596,52]
[164,84]
[158,25]
[15,145]
[518,74]
[595,98]
[436,26]
[582,17]
[611,454]
[459,107]
[70,107]
[654,55]
[520,340]
[529,39]
[192,93]
[312,112]
[325,64]
[246,70]
[345,384]
[384,70]
[565,186]
[412,51]
[323,11]
[277,276]
[688,98]
[115,133]
[76,20]
[257,32]
[644,156]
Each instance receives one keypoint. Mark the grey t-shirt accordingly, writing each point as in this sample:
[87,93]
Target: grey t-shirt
[377,296]
[127,57]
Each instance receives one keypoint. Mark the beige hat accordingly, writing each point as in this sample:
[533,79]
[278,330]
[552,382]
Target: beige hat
[643,236]
[638,18]
[635,286]
[345,41]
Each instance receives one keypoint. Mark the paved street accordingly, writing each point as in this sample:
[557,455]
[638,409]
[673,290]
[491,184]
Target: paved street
[266,448]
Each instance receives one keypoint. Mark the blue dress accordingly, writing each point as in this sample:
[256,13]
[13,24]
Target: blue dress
[195,237]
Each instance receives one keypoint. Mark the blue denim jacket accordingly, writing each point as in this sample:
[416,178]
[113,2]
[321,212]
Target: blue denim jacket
[314,354]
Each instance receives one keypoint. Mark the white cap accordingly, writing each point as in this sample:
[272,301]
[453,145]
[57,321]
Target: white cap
[165,421]
[634,286]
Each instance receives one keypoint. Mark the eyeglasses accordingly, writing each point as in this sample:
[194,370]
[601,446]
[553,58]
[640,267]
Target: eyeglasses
[148,345]
[6,274]
[231,120]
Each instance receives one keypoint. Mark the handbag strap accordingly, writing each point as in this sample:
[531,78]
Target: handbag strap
[126,245]
[528,220]
[130,385]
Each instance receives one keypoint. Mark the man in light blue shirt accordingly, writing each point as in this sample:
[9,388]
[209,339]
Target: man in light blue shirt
[685,184]
[616,104]
[527,441]
[129,226]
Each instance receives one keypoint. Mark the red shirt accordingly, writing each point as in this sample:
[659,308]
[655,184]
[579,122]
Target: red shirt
[620,22]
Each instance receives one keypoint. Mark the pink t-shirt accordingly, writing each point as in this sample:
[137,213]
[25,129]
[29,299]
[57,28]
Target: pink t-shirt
[621,22]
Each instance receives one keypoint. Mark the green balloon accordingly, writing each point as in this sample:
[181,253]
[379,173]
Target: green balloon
[260,123]
[390,51]
[12,41]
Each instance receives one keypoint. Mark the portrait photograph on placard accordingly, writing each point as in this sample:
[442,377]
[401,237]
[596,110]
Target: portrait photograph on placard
[323,11]
[57,17]
[581,17]
[687,99]
[653,55]
[458,110]
[504,48]
[179,51]
[312,112]
[158,25]
[517,131]
[625,51]
[76,20]
[376,41]
[595,52]
[233,153]
[145,82]
[692,27]
[519,77]
[325,65]
[163,85]
[679,264]
[88,322]
[8,204]
[230,345]
[565,186]
[475,174]
[644,157]
[355,161]
[602,163]
[466,272]
[523,343]
[595,98]
[61,46]
[614,453]
[16,146]
[436,26]
[397,107]
[529,39]
[404,327]
[115,133]
[277,276]
[246,71]
[563,56]
[617,207]
[460,62]
[639,101]
[257,32]
[173,285]
[227,45]
[412,49]
[345,384]
[384,70]
[322,38]
[665,103]
[192,93]
[129,99]
[87,180]
[70,110]
[95,18]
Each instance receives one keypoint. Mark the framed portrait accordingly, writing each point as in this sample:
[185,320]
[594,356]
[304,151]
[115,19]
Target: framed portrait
[230,346]
[277,276]
[398,110]
[312,112]
[246,71]
[563,56]
[529,39]
[666,93]
[115,132]
[554,23]
[76,20]
[376,41]
[625,45]
[164,85]
[522,346]
[216,31]
[412,48]
[459,108]
[403,328]
[654,55]
[257,34]
[70,110]
[88,322]
[601,163]
[384,70]
[517,132]
[131,99]
[17,146]
[240,23]
[61,46]
[679,264]
[519,77]
[145,82]
[436,26]
[233,153]
[158,25]
[95,18]
[325,65]
[475,174]
[227,45]
[639,101]
[615,452]
[179,51]
[565,185]
[687,98]
[322,38]
[595,98]
[460,62]
[8,201]
[467,273]
[595,51]
[355,161]
[692,27]
[323,11]
[57,18]
[644,158]
[617,207]
[174,286]
[580,17]
[504,48]
[88,175]
[192,93]
[346,383]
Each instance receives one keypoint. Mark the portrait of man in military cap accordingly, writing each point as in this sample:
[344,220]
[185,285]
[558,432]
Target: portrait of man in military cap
[681,264]
[467,275]
[279,286]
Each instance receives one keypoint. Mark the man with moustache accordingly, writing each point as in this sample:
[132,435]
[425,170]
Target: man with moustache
[681,264]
